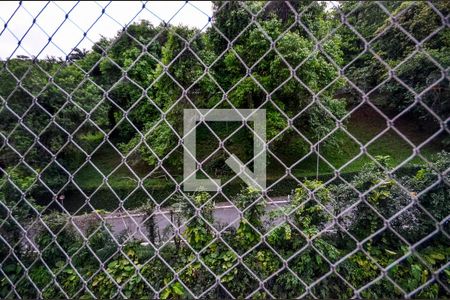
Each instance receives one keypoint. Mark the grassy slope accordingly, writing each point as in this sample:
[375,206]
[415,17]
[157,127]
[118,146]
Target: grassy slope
[364,125]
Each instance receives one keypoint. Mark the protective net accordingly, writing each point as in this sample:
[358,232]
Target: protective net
[354,197]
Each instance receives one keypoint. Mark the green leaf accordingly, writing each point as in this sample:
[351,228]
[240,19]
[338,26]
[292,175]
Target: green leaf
[437,256]
[318,259]
[165,294]
[178,288]
[416,271]
[129,268]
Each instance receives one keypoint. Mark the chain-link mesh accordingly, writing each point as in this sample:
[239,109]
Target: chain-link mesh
[356,199]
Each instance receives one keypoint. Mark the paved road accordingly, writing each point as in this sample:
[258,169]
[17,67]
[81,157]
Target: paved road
[133,224]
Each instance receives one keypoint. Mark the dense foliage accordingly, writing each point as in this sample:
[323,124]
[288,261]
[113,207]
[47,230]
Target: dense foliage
[308,65]
[301,249]
[397,47]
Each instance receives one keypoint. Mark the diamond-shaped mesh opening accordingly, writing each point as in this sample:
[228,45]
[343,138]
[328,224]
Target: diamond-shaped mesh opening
[339,287]
[283,13]
[342,191]
[433,43]
[286,239]
[247,283]
[376,17]
[255,36]
[411,215]
[287,285]
[385,248]
[366,64]
[420,271]
[422,30]
[20,140]
[275,78]
[368,270]
[404,98]
[236,70]
[438,108]
[309,266]
[431,75]
[365,216]
[25,99]
[196,278]
[382,45]
[264,262]
[329,246]
[381,288]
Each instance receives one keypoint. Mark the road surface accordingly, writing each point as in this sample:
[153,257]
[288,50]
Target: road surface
[166,222]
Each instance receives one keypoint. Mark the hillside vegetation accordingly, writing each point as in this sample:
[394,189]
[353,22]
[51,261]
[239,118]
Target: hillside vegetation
[357,100]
